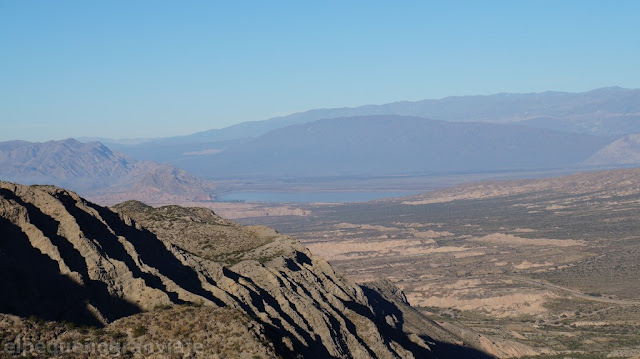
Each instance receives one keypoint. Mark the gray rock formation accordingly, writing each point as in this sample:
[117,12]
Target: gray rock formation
[63,258]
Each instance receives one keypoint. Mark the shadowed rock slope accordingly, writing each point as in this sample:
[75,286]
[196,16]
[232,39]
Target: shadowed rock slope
[63,258]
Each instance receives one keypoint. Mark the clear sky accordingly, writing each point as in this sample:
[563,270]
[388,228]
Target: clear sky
[150,68]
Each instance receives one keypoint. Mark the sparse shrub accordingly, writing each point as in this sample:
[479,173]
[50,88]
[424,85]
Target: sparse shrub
[36,319]
[163,307]
[117,335]
[139,331]
[97,332]
[197,304]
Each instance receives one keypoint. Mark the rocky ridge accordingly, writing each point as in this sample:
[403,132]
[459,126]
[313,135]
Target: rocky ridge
[64,259]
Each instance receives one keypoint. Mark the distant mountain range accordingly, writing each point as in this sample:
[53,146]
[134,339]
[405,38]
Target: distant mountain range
[561,129]
[504,132]
[610,111]
[392,145]
[98,172]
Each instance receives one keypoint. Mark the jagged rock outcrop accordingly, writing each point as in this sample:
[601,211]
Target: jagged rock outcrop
[63,258]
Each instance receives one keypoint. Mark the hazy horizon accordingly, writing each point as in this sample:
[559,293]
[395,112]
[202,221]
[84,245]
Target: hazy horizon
[139,139]
[157,69]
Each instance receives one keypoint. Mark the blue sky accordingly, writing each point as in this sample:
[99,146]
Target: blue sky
[150,68]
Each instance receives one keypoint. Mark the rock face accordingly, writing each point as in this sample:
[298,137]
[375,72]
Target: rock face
[63,258]
[98,172]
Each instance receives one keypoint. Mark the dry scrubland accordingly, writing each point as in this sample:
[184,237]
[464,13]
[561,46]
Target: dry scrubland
[546,267]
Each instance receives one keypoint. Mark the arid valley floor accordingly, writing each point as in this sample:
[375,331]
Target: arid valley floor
[551,264]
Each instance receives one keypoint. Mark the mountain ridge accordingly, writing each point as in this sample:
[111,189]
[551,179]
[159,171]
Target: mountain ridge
[392,144]
[98,172]
[608,113]
[64,258]
[468,107]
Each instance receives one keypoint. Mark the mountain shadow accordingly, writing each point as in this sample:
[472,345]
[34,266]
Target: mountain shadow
[34,287]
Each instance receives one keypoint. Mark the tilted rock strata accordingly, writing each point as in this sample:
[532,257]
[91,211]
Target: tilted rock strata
[63,258]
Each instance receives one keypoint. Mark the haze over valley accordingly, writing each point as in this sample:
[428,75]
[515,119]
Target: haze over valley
[322,180]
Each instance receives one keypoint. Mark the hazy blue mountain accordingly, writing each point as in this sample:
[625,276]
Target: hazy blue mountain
[605,111]
[610,111]
[98,172]
[83,166]
[390,145]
